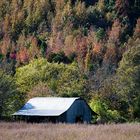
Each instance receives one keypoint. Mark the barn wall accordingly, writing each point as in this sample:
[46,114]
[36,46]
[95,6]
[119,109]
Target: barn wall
[62,118]
[79,108]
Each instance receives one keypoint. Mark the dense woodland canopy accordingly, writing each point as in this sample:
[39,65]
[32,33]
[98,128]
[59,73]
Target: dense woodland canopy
[86,48]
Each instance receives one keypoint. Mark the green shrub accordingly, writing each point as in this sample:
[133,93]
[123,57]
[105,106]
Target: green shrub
[105,115]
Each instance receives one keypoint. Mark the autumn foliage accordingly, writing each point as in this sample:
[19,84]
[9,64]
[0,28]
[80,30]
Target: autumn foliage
[91,36]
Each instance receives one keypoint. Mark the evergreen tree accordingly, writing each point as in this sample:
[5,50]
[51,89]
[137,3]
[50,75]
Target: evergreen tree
[129,79]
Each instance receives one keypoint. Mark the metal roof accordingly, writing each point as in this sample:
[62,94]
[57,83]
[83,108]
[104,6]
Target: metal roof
[46,106]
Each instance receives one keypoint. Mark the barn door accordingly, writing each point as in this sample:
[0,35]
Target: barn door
[79,119]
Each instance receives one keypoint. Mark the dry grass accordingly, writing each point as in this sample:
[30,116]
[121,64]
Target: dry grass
[24,131]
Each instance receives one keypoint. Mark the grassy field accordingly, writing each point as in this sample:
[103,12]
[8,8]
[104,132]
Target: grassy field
[24,131]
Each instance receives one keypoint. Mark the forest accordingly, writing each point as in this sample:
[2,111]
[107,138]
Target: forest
[70,48]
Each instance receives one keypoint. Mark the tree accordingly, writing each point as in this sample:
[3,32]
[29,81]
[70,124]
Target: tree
[10,98]
[137,30]
[100,34]
[122,7]
[60,79]
[128,79]
[40,90]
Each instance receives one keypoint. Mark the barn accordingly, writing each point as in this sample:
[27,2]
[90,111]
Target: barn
[56,109]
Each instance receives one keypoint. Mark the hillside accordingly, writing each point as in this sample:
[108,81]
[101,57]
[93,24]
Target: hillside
[86,48]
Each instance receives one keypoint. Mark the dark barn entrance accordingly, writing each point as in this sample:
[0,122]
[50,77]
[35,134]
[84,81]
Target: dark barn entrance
[79,119]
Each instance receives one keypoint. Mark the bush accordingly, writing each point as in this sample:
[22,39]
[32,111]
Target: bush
[105,115]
